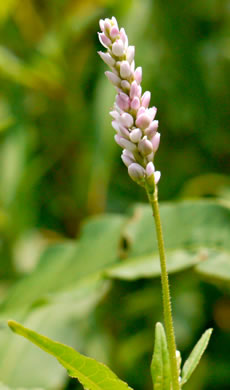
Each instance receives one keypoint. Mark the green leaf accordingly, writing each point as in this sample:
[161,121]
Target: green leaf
[195,356]
[160,366]
[201,234]
[90,373]
[64,320]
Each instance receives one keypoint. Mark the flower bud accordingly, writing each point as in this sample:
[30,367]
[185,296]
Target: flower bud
[125,70]
[101,24]
[118,48]
[133,90]
[114,31]
[135,135]
[140,111]
[146,99]
[155,142]
[138,75]
[124,37]
[143,121]
[114,114]
[122,101]
[124,143]
[106,57]
[105,41]
[125,85]
[157,176]
[114,20]
[126,158]
[136,172]
[152,112]
[113,78]
[126,120]
[150,169]
[151,130]
[130,54]
[145,146]
[135,103]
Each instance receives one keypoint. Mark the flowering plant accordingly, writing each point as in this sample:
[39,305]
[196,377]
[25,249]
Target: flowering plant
[136,132]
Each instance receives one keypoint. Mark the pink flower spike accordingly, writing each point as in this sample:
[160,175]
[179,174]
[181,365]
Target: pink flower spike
[118,48]
[114,79]
[105,41]
[157,176]
[150,169]
[145,100]
[130,54]
[114,32]
[138,75]
[155,142]
[135,103]
[143,121]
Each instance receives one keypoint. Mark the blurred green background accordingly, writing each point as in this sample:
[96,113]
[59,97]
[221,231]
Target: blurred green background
[59,164]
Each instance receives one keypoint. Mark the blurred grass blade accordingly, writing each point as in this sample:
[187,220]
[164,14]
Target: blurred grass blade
[195,356]
[90,373]
[160,366]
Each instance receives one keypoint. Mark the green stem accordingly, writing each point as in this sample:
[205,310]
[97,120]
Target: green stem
[153,199]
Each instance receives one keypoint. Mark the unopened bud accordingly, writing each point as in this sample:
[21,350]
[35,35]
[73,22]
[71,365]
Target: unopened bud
[146,99]
[135,135]
[106,57]
[113,78]
[155,142]
[125,70]
[145,146]
[136,172]
[105,41]
[130,54]
[118,48]
[143,121]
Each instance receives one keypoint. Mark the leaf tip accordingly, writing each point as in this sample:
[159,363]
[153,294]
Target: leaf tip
[13,325]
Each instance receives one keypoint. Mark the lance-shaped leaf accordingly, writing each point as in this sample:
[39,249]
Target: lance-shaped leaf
[90,373]
[160,366]
[195,356]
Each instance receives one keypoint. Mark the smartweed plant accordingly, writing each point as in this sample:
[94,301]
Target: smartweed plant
[136,133]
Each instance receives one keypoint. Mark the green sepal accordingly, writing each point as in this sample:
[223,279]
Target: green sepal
[90,373]
[195,356]
[160,365]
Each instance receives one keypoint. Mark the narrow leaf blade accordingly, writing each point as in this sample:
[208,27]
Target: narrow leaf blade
[90,373]
[160,366]
[195,356]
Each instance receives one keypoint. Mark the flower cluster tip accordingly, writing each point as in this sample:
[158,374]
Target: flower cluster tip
[133,119]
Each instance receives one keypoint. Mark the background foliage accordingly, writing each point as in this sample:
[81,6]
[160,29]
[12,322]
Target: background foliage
[59,165]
